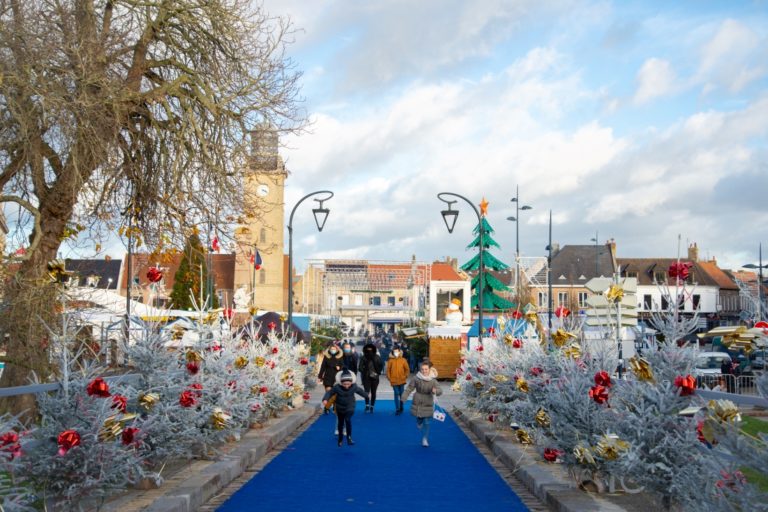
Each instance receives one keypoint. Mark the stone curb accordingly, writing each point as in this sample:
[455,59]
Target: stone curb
[193,492]
[548,482]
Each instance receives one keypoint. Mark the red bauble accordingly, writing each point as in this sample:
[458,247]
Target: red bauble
[187,398]
[129,435]
[479,348]
[599,394]
[275,350]
[551,454]
[603,379]
[480,370]
[306,396]
[517,343]
[197,388]
[154,274]
[9,438]
[263,389]
[303,361]
[98,387]
[119,402]
[68,440]
[469,376]
[491,331]
[271,326]
[686,384]
[193,367]
[517,315]
[680,270]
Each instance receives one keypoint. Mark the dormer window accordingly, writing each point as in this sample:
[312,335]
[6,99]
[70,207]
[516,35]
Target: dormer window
[660,276]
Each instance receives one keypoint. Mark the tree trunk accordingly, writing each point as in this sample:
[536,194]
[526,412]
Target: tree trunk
[32,308]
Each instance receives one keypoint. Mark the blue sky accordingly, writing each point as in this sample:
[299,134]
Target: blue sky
[641,121]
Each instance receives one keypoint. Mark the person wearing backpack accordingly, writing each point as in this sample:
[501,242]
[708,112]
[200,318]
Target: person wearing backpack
[371,367]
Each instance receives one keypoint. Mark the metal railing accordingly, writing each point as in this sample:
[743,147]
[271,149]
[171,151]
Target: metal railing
[728,383]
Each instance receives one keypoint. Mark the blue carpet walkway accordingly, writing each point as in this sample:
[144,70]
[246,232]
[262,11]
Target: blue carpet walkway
[387,470]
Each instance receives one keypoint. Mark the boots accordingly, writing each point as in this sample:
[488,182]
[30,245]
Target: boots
[350,442]
[368,408]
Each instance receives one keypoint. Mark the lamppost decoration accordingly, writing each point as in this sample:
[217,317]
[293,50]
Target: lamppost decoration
[320,214]
[516,220]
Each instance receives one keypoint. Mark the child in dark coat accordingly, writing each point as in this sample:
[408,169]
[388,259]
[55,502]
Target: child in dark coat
[344,393]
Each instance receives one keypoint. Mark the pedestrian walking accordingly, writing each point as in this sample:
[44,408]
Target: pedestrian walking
[371,367]
[351,359]
[423,405]
[333,363]
[397,373]
[344,394]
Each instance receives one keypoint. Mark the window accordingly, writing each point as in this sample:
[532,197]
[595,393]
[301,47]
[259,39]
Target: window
[632,274]
[696,301]
[647,302]
[391,300]
[542,299]
[681,302]
[562,299]
[583,296]
[664,303]
[263,235]
[376,300]
[262,276]
[358,300]
[660,276]
[691,278]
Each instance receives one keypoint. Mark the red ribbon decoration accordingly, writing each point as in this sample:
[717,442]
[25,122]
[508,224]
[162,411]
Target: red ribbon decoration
[680,270]
[275,350]
[263,389]
[129,435]
[271,326]
[187,398]
[120,403]
[193,367]
[517,343]
[517,315]
[562,312]
[154,274]
[68,440]
[551,454]
[599,394]
[603,379]
[303,361]
[686,384]
[98,387]
[306,395]
[198,388]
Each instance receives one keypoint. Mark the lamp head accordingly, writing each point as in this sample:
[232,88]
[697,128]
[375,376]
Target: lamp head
[449,217]
[526,207]
[513,219]
[321,215]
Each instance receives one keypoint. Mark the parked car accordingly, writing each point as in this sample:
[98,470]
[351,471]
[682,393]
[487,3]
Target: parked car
[758,361]
[709,363]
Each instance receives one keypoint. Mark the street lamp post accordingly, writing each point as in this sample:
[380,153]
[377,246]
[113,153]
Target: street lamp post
[759,268]
[549,276]
[449,217]
[516,220]
[321,215]
[597,255]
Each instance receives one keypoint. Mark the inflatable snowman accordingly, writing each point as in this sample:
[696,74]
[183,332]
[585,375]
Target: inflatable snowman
[453,315]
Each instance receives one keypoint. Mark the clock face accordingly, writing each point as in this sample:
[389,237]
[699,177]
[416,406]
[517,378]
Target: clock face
[262,190]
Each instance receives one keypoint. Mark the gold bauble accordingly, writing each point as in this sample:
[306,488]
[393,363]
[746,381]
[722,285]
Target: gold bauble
[220,419]
[523,436]
[573,351]
[584,455]
[561,337]
[241,362]
[193,356]
[252,310]
[508,339]
[542,418]
[723,410]
[456,386]
[531,317]
[287,394]
[521,384]
[148,400]
[610,447]
[259,361]
[642,369]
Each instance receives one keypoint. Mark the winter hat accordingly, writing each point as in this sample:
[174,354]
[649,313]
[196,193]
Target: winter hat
[345,375]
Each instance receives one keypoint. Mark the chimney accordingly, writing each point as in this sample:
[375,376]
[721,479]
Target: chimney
[693,252]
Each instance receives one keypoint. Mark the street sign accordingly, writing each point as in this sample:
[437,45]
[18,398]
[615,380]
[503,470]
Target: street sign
[597,301]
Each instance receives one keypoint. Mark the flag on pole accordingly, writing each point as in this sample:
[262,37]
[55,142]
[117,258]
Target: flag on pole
[256,260]
[215,247]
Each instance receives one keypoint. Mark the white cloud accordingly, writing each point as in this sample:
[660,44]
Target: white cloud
[655,79]
[733,58]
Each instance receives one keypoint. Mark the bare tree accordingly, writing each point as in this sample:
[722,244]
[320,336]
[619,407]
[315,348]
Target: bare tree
[128,109]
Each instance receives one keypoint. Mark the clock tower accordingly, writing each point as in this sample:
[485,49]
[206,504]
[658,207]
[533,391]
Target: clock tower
[262,228]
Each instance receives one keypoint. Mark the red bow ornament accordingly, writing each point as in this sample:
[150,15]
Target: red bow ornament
[551,454]
[154,274]
[599,394]
[603,379]
[98,387]
[562,312]
[68,440]
[187,399]
[680,270]
[686,384]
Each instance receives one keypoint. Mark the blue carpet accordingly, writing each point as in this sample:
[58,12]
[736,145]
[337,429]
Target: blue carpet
[387,469]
